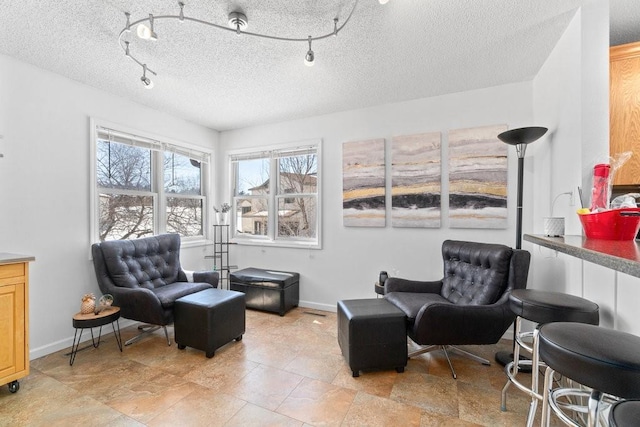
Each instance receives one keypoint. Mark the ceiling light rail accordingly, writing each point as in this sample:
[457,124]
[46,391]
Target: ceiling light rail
[237,23]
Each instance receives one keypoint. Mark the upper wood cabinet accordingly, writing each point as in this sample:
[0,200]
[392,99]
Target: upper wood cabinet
[624,109]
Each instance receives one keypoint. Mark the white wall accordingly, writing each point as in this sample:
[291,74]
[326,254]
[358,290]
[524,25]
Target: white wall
[571,97]
[44,186]
[351,258]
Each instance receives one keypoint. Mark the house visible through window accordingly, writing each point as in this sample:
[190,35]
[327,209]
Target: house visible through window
[145,187]
[276,196]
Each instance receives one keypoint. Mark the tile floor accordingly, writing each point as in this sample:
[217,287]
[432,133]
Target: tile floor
[287,371]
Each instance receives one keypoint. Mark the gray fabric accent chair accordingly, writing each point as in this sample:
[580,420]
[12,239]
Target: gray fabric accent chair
[469,305]
[145,278]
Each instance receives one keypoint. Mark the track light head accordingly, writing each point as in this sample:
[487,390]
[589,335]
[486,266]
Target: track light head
[181,16]
[238,21]
[147,33]
[309,58]
[127,27]
[146,81]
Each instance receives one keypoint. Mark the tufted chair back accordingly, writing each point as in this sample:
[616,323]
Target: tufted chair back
[150,262]
[474,273]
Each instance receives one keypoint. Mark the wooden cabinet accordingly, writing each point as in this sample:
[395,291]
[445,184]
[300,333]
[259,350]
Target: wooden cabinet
[14,319]
[624,109]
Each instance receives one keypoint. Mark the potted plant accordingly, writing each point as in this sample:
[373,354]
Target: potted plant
[222,214]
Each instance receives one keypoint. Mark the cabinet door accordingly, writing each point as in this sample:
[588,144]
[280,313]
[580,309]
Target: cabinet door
[624,113]
[12,327]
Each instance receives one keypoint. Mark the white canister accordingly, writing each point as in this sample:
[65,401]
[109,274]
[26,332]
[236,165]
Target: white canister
[554,226]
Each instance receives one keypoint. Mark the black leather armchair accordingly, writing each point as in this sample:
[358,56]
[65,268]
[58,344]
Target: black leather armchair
[145,278]
[470,305]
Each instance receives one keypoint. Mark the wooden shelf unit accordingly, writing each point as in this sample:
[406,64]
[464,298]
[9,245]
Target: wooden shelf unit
[221,243]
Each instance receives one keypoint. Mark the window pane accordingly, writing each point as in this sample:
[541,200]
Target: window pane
[252,216]
[297,217]
[298,174]
[252,177]
[181,174]
[125,217]
[123,166]
[184,216]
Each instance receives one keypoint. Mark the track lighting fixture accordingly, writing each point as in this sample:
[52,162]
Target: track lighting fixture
[147,33]
[308,59]
[146,81]
[237,22]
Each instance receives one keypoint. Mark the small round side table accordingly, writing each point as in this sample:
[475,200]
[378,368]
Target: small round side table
[90,321]
[379,289]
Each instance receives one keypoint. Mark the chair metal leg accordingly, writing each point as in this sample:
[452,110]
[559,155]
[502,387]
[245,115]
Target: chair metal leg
[444,348]
[535,371]
[594,406]
[423,350]
[146,330]
[548,384]
[446,354]
[470,355]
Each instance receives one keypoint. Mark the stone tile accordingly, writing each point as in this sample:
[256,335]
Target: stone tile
[368,410]
[321,366]
[254,416]
[265,386]
[376,383]
[221,374]
[428,392]
[317,403]
[202,407]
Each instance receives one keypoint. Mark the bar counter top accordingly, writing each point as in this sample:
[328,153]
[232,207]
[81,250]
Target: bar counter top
[7,258]
[623,256]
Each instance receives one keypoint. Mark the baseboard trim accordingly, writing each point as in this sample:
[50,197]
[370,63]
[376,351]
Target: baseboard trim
[316,306]
[45,350]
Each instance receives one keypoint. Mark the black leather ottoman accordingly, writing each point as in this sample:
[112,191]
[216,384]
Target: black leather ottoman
[372,334]
[209,319]
[268,290]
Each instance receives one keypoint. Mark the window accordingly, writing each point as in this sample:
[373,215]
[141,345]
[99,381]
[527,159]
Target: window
[145,187]
[276,196]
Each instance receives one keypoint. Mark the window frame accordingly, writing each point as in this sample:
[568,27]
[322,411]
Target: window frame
[274,153]
[161,145]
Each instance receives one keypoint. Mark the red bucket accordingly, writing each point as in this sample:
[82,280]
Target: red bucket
[611,224]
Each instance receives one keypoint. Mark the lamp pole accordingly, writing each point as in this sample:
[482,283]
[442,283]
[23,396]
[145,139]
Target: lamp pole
[519,138]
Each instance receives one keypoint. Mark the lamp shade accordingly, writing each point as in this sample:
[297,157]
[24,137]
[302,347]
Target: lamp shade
[522,135]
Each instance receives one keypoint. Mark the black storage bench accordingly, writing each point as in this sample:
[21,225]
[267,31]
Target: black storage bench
[269,290]
[372,334]
[209,319]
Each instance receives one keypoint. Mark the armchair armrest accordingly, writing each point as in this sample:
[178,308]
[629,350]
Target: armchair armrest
[206,276]
[133,301]
[465,324]
[395,284]
[210,277]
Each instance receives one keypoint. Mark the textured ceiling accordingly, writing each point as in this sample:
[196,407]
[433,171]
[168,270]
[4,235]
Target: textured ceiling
[403,50]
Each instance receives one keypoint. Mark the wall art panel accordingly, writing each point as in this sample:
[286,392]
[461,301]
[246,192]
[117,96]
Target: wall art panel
[477,178]
[363,183]
[416,180]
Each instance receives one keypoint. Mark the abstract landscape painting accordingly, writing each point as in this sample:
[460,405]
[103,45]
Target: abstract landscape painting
[415,180]
[477,178]
[363,183]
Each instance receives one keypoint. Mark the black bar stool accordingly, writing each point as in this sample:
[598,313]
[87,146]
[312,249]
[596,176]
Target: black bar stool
[540,307]
[605,360]
[624,413]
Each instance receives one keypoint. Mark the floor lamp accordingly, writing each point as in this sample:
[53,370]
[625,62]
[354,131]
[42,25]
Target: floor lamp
[519,138]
